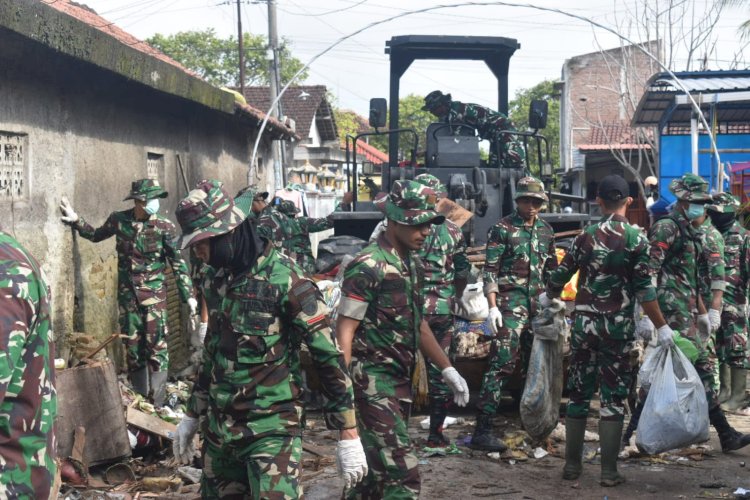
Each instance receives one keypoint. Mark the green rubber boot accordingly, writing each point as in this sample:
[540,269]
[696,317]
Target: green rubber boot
[575,428]
[739,386]
[610,433]
[725,383]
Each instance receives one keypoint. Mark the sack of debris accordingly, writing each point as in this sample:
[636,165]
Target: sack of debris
[540,403]
[675,414]
[550,323]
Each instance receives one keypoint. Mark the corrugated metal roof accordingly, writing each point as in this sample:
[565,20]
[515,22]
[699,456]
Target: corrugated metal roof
[662,89]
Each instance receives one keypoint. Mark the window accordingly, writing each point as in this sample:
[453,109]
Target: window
[13,166]
[155,166]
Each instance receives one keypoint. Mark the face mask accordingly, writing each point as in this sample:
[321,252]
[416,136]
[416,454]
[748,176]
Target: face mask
[694,211]
[152,206]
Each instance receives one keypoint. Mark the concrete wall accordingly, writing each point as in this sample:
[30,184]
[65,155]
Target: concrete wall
[88,135]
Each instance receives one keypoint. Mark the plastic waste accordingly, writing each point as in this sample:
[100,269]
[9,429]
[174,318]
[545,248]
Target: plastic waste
[675,414]
[540,403]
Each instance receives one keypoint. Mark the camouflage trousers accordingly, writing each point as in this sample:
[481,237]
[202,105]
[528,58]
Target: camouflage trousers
[393,473]
[146,330]
[597,357]
[731,340]
[512,345]
[268,468]
[706,364]
[442,327]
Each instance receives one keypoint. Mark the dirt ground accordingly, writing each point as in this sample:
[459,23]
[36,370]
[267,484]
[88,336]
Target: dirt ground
[710,474]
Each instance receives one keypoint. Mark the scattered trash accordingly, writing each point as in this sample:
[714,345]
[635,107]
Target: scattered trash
[424,461]
[118,474]
[494,455]
[425,424]
[512,462]
[741,493]
[742,464]
[190,474]
[451,449]
[559,434]
[540,453]
[158,484]
[715,485]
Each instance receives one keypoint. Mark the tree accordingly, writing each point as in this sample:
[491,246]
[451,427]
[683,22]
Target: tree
[216,60]
[349,122]
[519,115]
[411,115]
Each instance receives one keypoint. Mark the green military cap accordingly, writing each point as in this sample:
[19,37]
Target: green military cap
[435,99]
[724,203]
[432,182]
[207,211]
[145,189]
[287,207]
[530,187]
[247,195]
[690,187]
[412,203]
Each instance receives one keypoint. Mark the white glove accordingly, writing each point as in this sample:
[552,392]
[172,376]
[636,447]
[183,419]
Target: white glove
[704,325]
[182,444]
[458,385]
[351,461]
[544,301]
[665,336]
[644,329]
[202,332]
[69,215]
[714,317]
[496,320]
[197,331]
[193,305]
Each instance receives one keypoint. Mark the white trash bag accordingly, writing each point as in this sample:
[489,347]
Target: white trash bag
[472,306]
[540,403]
[675,414]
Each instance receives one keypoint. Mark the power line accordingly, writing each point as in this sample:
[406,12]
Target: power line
[307,14]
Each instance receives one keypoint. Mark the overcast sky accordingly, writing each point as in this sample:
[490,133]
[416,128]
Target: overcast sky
[357,69]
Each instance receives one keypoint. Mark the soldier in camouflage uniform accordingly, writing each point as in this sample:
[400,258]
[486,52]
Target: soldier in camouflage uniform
[612,257]
[298,246]
[519,257]
[379,328]
[144,243]
[674,258]
[28,402]
[491,125]
[446,269]
[249,388]
[272,224]
[731,338]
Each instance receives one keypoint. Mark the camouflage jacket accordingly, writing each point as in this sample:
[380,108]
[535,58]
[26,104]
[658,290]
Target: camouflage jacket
[300,229]
[274,226]
[28,402]
[491,126]
[737,267]
[612,257]
[382,291]
[143,249]
[711,271]
[675,250]
[519,260]
[444,257]
[249,385]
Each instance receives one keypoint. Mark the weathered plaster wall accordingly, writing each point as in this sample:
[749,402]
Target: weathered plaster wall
[89,133]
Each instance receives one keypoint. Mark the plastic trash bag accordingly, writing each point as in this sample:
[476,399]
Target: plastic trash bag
[472,305]
[550,322]
[675,413]
[540,403]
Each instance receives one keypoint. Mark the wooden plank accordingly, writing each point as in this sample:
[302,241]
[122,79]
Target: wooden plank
[150,423]
[315,449]
[453,211]
[79,442]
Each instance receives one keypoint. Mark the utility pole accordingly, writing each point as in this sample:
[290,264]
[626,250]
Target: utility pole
[274,83]
[241,48]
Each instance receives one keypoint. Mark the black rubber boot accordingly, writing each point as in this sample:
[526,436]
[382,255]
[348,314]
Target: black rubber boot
[610,434]
[729,438]
[575,429]
[438,412]
[483,438]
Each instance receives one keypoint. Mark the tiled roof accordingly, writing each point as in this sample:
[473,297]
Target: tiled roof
[90,18]
[371,153]
[614,135]
[302,103]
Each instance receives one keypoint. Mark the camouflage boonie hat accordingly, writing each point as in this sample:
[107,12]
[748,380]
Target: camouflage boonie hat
[724,203]
[380,200]
[690,187]
[433,183]
[287,207]
[145,189]
[412,203]
[435,99]
[530,187]
[207,211]
[246,196]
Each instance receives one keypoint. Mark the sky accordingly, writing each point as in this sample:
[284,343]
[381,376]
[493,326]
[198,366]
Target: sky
[357,69]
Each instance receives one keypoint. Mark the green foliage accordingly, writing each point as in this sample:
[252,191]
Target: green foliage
[216,60]
[410,116]
[519,115]
[346,122]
